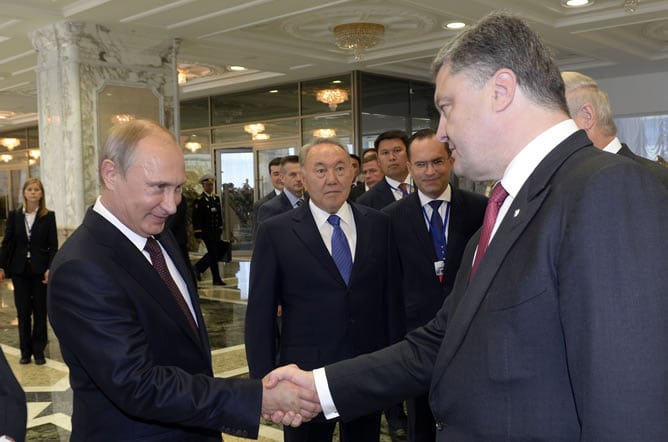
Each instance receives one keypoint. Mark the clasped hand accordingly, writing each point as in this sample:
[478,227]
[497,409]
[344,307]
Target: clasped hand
[289,396]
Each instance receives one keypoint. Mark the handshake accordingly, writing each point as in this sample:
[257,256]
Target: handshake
[289,396]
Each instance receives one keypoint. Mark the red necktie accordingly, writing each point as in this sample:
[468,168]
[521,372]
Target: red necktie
[159,264]
[494,203]
[403,187]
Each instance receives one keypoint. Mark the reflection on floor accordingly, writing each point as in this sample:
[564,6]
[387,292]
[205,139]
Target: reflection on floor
[47,386]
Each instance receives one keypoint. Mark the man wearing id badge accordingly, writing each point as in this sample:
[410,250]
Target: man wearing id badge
[430,228]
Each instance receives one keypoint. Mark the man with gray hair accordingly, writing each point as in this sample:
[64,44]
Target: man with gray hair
[328,264]
[589,107]
[556,328]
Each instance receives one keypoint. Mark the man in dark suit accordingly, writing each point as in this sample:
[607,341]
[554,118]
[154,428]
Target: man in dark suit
[207,226]
[357,188]
[589,106]
[293,191]
[559,329]
[391,147]
[328,314]
[13,412]
[430,245]
[277,187]
[127,315]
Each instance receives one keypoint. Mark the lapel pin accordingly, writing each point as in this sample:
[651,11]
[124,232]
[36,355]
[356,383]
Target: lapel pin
[517,212]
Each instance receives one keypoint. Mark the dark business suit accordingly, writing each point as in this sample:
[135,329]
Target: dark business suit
[562,334]
[273,207]
[324,320]
[137,368]
[379,196]
[423,291]
[13,412]
[27,275]
[257,205]
[356,190]
[207,226]
[655,168]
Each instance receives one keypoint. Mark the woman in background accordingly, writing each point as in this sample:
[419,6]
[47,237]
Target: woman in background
[29,245]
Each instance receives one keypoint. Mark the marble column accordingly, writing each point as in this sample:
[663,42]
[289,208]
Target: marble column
[78,65]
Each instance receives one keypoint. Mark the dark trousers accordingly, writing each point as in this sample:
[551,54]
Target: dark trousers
[421,425]
[211,257]
[30,301]
[396,417]
[363,429]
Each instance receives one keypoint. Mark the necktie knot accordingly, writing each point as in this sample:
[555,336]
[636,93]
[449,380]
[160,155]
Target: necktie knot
[334,220]
[435,204]
[299,203]
[496,199]
[498,195]
[403,187]
[152,247]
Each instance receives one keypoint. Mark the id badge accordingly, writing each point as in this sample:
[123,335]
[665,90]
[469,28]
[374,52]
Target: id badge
[439,268]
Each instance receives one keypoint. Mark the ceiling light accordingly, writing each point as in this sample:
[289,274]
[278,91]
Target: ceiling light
[193,146]
[273,91]
[358,36]
[121,118]
[324,133]
[332,97]
[34,153]
[10,143]
[576,3]
[454,25]
[631,5]
[261,137]
[236,68]
[182,76]
[254,128]
[6,157]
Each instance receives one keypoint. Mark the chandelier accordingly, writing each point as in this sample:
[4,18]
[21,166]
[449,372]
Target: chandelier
[324,133]
[358,36]
[254,128]
[332,97]
[193,146]
[10,143]
[631,6]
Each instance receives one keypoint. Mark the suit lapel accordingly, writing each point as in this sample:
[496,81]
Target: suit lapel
[523,209]
[414,217]
[304,227]
[133,261]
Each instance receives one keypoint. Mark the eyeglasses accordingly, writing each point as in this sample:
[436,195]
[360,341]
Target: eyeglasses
[436,164]
[321,172]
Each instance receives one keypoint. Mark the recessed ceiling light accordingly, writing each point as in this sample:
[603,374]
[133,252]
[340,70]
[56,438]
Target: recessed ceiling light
[237,68]
[337,82]
[576,3]
[273,91]
[454,25]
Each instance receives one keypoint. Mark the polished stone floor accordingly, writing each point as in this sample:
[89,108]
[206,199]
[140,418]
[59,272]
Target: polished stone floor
[47,387]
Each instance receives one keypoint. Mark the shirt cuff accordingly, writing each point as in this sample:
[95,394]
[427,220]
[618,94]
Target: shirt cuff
[325,396]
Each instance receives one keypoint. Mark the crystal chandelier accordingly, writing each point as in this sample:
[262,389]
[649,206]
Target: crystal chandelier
[254,128]
[358,36]
[332,97]
[631,5]
[193,146]
[10,143]
[324,133]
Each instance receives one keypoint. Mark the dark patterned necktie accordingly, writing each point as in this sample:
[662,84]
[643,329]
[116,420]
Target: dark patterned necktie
[494,203]
[403,187]
[340,249]
[160,266]
[436,230]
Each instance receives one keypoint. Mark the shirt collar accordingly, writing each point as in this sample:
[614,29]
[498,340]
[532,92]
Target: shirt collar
[613,146]
[445,196]
[526,161]
[136,239]
[320,216]
[291,197]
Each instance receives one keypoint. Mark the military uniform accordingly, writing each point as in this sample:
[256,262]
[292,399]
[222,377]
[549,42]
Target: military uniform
[207,225]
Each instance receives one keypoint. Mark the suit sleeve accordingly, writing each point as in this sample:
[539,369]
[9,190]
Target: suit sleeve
[13,413]
[109,344]
[7,241]
[612,269]
[263,300]
[52,238]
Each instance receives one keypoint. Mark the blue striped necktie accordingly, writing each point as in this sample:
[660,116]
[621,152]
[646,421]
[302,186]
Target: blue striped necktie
[340,249]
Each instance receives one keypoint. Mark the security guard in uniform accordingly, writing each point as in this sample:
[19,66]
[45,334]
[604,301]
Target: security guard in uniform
[208,224]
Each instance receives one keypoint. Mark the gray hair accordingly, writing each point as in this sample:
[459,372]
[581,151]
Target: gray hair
[306,148]
[121,143]
[501,40]
[581,89]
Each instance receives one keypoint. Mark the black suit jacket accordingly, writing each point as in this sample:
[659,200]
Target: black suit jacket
[356,190]
[655,168]
[324,320]
[256,206]
[42,245]
[378,196]
[137,369]
[13,412]
[423,293]
[273,207]
[562,335]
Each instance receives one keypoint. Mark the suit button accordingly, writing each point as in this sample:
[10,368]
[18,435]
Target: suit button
[439,426]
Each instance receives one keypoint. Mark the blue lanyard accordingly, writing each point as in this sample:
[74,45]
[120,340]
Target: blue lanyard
[445,227]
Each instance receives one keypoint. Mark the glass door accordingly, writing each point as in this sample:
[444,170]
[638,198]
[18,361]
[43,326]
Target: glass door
[234,167]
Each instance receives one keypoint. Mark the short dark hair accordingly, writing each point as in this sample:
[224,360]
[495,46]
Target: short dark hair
[423,134]
[288,159]
[391,135]
[356,157]
[501,40]
[274,162]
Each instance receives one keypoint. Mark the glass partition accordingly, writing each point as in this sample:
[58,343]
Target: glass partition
[325,95]
[256,105]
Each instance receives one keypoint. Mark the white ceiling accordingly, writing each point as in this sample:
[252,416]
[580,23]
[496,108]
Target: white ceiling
[287,40]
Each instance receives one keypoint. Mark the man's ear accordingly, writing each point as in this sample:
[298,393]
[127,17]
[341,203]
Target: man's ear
[109,173]
[504,82]
[586,117]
